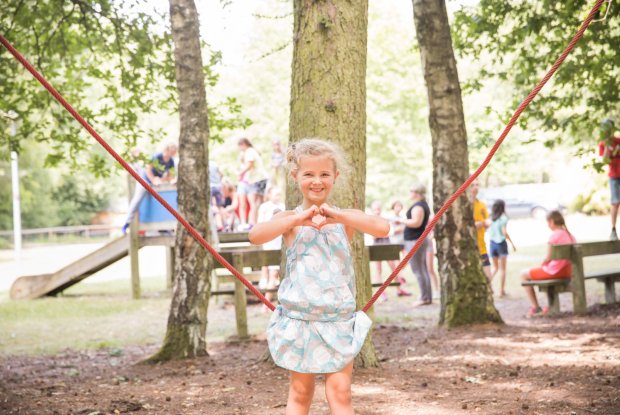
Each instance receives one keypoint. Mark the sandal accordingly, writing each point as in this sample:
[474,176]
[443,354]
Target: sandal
[533,312]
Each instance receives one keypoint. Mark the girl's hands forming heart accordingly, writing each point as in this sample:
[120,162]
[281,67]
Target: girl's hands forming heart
[329,213]
[312,217]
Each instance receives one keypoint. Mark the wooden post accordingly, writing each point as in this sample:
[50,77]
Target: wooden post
[169,266]
[553,297]
[610,290]
[240,300]
[134,247]
[578,286]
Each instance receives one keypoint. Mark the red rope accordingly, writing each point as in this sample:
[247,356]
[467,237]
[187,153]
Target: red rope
[131,171]
[218,257]
[489,156]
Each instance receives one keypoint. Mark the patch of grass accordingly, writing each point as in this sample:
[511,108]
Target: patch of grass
[49,325]
[102,315]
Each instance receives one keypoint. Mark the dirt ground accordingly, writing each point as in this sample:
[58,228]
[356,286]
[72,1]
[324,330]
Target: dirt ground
[555,365]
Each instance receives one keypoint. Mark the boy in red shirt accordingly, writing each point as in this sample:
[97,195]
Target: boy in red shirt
[609,149]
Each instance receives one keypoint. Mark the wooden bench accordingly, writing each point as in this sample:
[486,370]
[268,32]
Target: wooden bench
[255,258]
[576,285]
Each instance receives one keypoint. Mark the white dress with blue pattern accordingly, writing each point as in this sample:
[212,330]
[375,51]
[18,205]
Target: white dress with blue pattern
[315,328]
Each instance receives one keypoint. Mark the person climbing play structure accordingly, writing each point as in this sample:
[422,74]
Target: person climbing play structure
[428,229]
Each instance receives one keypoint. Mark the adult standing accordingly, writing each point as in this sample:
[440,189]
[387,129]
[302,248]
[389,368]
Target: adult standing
[609,149]
[482,222]
[254,179]
[160,170]
[415,224]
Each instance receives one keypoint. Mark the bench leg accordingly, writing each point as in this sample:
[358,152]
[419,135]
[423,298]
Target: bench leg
[553,297]
[610,291]
[578,286]
[241,301]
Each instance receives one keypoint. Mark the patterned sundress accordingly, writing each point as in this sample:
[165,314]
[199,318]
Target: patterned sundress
[315,328]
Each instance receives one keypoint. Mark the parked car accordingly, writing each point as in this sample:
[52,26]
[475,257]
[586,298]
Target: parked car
[523,201]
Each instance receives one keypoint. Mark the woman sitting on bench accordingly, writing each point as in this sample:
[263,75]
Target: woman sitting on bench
[550,269]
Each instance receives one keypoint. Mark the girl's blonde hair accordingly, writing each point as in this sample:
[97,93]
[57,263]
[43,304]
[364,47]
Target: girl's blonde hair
[316,147]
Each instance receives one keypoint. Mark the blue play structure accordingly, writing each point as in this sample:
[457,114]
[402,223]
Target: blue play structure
[151,211]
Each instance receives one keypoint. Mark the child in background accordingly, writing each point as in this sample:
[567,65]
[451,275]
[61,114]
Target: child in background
[551,268]
[315,328]
[498,235]
[273,205]
[230,205]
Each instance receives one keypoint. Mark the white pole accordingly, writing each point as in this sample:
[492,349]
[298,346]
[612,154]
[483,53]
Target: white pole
[17,214]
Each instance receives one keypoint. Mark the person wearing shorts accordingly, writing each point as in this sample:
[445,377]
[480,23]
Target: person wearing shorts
[499,238]
[258,188]
[254,175]
[609,150]
[550,268]
[481,220]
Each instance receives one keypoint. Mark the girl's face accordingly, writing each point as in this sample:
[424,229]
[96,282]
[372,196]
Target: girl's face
[315,176]
[551,225]
[397,208]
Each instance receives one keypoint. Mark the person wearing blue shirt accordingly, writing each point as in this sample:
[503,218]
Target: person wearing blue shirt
[160,170]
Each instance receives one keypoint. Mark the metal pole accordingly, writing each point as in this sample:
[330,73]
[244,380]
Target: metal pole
[17,214]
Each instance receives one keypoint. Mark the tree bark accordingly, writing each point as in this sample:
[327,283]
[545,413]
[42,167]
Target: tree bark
[187,321]
[466,297]
[328,101]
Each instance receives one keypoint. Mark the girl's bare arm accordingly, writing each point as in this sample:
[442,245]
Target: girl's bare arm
[282,223]
[354,219]
[505,230]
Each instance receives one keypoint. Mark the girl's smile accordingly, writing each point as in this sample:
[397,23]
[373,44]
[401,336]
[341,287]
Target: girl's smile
[316,177]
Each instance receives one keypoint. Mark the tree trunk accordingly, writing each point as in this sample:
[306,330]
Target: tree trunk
[466,297]
[187,321]
[328,100]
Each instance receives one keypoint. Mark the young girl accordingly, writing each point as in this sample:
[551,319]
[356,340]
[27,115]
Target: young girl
[551,268]
[498,235]
[315,328]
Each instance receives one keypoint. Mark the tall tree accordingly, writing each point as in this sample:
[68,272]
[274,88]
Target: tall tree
[466,297]
[328,100]
[187,321]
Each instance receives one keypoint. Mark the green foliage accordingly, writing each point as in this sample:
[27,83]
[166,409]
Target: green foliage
[49,198]
[38,209]
[78,200]
[112,61]
[104,56]
[517,41]
[398,137]
[594,198]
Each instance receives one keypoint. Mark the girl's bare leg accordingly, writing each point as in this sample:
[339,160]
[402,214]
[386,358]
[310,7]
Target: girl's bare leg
[300,393]
[529,290]
[430,266]
[502,275]
[253,199]
[243,208]
[494,261]
[338,391]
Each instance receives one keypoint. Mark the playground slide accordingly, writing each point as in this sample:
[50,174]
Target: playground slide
[35,286]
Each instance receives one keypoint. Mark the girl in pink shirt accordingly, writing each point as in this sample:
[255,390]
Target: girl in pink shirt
[550,268]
